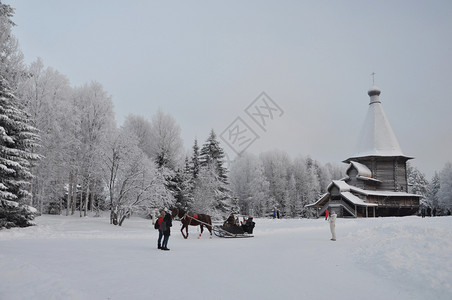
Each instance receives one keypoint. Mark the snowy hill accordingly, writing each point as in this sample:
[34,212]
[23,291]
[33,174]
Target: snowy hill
[384,258]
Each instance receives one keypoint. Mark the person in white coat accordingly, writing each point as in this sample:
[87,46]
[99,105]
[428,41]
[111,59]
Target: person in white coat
[332,219]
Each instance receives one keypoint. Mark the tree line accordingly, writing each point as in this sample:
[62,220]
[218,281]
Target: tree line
[437,193]
[62,151]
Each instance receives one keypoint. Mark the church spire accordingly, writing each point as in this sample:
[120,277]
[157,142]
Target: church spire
[377,137]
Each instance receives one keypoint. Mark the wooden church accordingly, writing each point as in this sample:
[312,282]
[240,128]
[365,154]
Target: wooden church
[376,179]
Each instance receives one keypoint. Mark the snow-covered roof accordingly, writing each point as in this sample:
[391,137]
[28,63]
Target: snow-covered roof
[356,200]
[345,187]
[363,170]
[318,200]
[342,185]
[368,179]
[380,193]
[377,137]
[349,191]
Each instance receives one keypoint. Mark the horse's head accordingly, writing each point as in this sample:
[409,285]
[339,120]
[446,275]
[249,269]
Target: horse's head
[174,212]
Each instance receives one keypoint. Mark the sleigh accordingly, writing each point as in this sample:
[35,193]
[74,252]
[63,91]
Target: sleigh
[234,231]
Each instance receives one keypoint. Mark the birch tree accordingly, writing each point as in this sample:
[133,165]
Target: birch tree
[133,181]
[166,141]
[44,94]
[95,120]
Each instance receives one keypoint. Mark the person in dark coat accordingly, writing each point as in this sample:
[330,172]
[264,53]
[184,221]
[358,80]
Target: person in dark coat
[159,223]
[248,225]
[166,229]
[230,220]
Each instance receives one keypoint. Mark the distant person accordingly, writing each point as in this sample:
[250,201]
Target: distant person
[158,226]
[277,213]
[274,214]
[166,229]
[423,212]
[332,219]
[326,214]
[434,211]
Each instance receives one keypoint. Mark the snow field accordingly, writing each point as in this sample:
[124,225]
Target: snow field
[87,258]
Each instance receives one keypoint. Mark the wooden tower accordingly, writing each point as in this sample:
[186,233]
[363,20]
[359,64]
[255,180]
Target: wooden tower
[376,177]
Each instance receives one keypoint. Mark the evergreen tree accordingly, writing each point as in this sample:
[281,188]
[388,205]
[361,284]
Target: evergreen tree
[195,160]
[11,58]
[213,183]
[212,154]
[17,140]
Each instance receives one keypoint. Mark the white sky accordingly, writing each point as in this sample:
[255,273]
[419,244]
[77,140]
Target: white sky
[206,61]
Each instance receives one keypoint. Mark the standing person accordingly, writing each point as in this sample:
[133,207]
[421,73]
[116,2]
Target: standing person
[166,229]
[333,225]
[158,226]
[327,213]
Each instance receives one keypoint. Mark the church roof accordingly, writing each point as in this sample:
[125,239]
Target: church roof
[350,192]
[377,137]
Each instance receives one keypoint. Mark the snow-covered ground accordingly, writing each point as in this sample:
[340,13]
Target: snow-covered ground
[87,258]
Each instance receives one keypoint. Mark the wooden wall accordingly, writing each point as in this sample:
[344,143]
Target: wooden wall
[391,171]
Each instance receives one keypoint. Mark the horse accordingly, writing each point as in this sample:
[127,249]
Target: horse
[192,220]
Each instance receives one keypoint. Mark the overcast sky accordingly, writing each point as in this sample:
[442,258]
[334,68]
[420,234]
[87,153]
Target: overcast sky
[205,62]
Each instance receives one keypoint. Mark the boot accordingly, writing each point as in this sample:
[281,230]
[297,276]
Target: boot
[164,248]
[159,247]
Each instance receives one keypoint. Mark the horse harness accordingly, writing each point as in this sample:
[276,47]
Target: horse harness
[190,218]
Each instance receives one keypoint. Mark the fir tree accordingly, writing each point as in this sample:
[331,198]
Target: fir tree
[213,182]
[195,160]
[17,140]
[213,154]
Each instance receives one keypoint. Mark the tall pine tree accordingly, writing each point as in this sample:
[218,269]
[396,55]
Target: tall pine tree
[213,155]
[17,140]
[210,191]
[17,136]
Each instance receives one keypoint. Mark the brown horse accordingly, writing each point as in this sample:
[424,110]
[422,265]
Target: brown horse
[188,219]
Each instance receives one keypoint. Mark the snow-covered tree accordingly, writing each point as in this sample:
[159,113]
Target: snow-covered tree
[142,128]
[17,141]
[445,190]
[17,137]
[11,58]
[214,175]
[195,164]
[277,171]
[133,180]
[433,190]
[291,198]
[418,183]
[312,186]
[166,141]
[44,94]
[212,154]
[249,185]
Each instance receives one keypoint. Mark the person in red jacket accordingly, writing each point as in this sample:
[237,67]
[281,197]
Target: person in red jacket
[159,222]
[327,213]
